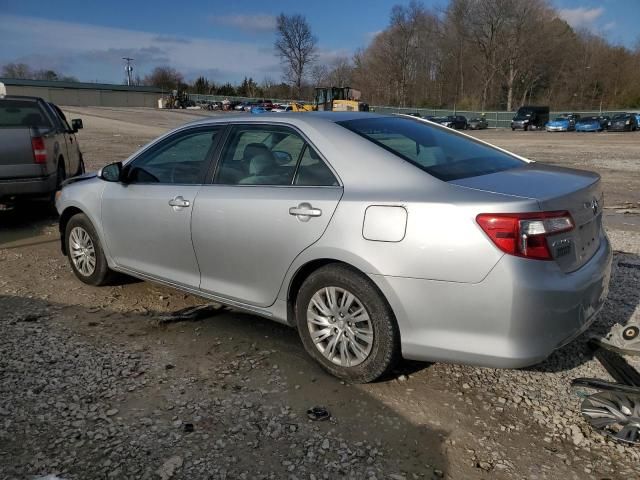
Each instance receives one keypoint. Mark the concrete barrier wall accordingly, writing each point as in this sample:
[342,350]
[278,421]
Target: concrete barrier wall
[88,97]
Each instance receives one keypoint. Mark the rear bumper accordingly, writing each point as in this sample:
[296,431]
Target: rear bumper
[517,316]
[27,186]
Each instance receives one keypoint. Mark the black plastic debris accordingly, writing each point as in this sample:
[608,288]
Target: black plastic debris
[191,314]
[188,427]
[318,414]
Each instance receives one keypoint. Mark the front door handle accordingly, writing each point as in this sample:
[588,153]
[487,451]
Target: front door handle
[304,211]
[179,202]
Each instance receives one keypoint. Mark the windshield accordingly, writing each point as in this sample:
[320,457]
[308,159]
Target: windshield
[439,119]
[440,152]
[622,116]
[21,113]
[589,120]
[560,119]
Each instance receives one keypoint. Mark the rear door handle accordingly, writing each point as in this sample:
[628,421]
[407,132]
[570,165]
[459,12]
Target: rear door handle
[179,202]
[304,211]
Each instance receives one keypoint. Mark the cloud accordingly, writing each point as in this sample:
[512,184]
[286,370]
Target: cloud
[170,39]
[92,52]
[581,17]
[260,22]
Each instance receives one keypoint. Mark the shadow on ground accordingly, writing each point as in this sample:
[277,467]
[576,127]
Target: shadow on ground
[209,359]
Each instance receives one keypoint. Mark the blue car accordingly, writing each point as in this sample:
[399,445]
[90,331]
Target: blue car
[589,124]
[559,124]
[258,110]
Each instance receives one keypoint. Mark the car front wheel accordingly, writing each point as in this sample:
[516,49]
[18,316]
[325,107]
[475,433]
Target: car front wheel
[346,324]
[85,252]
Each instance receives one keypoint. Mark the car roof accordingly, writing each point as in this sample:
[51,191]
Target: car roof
[293,118]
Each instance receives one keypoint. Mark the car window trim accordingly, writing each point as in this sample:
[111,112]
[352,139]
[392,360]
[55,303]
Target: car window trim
[183,131]
[221,146]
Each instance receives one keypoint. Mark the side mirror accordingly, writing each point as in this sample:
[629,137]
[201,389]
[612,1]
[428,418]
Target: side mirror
[76,124]
[111,172]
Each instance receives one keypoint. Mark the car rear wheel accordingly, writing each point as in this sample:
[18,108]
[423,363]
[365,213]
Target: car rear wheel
[346,325]
[85,252]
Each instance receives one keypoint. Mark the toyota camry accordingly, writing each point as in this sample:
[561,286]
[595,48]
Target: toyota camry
[377,237]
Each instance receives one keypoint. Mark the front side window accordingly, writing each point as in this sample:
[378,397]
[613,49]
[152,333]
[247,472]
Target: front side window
[442,153]
[180,159]
[260,155]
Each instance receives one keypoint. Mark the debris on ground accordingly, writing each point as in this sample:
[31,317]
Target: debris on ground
[614,410]
[192,314]
[318,414]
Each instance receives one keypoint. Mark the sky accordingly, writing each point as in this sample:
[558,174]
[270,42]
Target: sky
[223,40]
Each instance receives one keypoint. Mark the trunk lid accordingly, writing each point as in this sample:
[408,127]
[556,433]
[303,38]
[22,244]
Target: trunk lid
[555,189]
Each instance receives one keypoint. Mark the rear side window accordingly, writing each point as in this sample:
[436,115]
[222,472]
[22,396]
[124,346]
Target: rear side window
[440,152]
[22,113]
[312,171]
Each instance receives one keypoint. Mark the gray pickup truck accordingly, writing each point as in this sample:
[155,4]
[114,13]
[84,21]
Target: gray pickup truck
[38,148]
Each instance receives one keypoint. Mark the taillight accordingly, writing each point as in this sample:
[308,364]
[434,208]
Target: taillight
[39,150]
[525,234]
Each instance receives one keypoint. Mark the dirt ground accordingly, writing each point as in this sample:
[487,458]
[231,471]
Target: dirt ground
[94,385]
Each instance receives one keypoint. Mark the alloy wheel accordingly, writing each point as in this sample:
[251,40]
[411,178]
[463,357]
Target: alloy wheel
[614,414]
[82,251]
[340,326]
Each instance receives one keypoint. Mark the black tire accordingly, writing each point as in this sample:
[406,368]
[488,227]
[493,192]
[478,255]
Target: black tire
[102,274]
[60,177]
[385,348]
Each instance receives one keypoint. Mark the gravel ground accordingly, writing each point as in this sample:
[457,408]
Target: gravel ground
[94,385]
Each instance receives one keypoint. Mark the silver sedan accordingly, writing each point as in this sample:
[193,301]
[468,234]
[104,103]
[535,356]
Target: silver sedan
[377,237]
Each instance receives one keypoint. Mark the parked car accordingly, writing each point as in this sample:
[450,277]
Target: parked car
[605,120]
[478,123]
[452,121]
[573,118]
[257,110]
[530,117]
[637,115]
[38,148]
[590,124]
[623,122]
[285,107]
[560,124]
[241,106]
[375,235]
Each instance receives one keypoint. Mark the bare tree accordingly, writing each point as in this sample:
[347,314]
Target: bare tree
[17,70]
[164,77]
[296,46]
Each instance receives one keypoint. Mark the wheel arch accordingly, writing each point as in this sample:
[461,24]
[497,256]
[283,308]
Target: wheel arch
[65,216]
[306,269]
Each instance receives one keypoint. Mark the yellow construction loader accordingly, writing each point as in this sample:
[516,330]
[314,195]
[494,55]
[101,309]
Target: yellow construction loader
[339,99]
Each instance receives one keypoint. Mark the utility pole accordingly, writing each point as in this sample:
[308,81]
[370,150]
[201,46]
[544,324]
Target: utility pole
[128,68]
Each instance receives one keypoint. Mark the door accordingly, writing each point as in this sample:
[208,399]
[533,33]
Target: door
[147,219]
[68,144]
[272,197]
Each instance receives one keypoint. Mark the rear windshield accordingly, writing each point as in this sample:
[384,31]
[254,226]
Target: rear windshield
[440,152]
[21,113]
